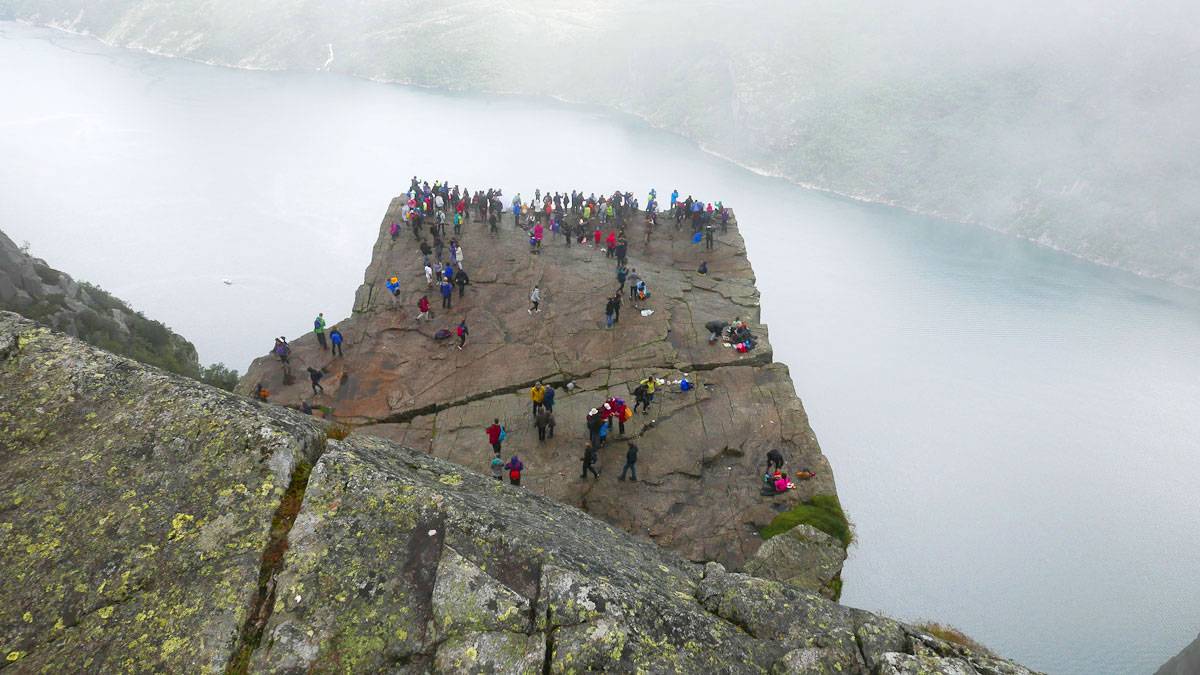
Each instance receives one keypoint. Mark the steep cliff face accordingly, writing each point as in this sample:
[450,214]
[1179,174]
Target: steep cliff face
[1186,662]
[32,288]
[153,524]
[702,451]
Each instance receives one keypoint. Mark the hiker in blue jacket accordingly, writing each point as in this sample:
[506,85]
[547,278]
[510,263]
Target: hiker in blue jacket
[447,293]
[335,338]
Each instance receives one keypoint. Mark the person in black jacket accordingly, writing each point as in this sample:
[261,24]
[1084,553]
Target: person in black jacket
[630,463]
[589,463]
[774,460]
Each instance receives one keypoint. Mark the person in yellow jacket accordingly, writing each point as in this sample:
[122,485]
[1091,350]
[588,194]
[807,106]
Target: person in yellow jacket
[537,394]
[644,394]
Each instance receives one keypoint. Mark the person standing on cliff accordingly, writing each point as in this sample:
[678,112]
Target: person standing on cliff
[462,332]
[622,275]
[335,338]
[589,463]
[537,394]
[535,299]
[319,329]
[616,299]
[544,421]
[634,278]
[630,463]
[461,279]
[548,398]
[495,434]
[447,293]
[609,309]
[423,308]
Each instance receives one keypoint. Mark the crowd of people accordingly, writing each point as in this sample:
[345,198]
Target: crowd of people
[437,216]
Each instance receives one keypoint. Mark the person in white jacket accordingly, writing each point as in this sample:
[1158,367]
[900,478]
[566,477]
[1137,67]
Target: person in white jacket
[535,299]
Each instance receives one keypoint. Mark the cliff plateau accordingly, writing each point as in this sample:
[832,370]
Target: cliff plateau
[702,451]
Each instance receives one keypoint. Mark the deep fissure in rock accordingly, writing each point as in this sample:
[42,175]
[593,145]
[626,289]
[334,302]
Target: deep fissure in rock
[272,561]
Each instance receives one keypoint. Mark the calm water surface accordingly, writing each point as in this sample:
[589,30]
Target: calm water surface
[1015,433]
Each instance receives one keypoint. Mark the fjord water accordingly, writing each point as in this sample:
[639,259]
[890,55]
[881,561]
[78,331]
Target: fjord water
[1013,432]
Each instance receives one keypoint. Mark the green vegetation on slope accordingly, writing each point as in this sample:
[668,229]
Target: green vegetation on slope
[824,512]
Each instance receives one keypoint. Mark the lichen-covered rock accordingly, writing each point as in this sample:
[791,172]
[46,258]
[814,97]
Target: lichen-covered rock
[135,508]
[153,524]
[803,556]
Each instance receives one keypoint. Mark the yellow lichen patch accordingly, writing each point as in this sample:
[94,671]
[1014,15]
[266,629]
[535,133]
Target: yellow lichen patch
[106,612]
[171,645]
[15,656]
[178,525]
[451,479]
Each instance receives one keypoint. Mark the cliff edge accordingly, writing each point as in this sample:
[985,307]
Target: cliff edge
[154,524]
[702,451]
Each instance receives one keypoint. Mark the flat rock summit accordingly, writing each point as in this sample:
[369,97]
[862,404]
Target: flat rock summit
[150,523]
[702,452]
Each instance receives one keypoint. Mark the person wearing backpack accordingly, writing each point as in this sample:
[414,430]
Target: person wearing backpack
[496,435]
[319,329]
[462,333]
[515,467]
[497,468]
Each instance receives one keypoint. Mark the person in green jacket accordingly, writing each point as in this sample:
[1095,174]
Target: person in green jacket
[319,329]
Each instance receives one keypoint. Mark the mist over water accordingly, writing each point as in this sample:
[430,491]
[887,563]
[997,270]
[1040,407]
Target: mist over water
[1013,431]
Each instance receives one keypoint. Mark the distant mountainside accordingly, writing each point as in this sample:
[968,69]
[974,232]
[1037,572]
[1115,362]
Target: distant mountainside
[35,290]
[1073,125]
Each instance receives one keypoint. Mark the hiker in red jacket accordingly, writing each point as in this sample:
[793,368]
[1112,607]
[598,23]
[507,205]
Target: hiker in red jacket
[612,244]
[495,436]
[618,411]
[423,308]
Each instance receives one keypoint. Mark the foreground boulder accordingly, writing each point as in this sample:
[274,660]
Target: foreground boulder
[152,524]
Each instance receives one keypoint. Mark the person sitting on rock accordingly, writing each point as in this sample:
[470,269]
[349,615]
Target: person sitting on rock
[781,483]
[261,393]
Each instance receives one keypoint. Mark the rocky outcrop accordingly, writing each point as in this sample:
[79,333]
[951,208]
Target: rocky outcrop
[30,287]
[702,451]
[1186,662]
[803,556]
[153,524]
